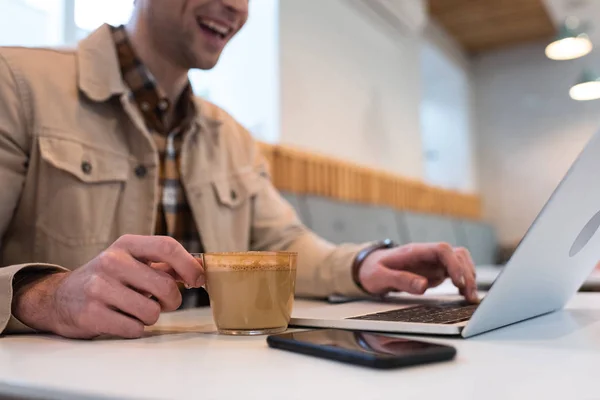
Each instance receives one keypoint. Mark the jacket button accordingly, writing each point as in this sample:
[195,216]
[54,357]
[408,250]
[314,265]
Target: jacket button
[163,105]
[145,106]
[86,167]
[233,195]
[141,171]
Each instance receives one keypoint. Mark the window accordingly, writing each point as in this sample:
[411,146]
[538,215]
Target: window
[446,122]
[31,22]
[43,5]
[89,15]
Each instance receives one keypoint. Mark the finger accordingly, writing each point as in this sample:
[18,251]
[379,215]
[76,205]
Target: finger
[167,250]
[459,273]
[167,269]
[429,271]
[464,257]
[414,255]
[470,259]
[104,321]
[388,280]
[466,291]
[434,273]
[156,283]
[142,278]
[114,294]
[436,282]
[471,295]
[471,298]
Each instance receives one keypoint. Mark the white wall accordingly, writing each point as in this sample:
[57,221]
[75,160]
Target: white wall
[349,89]
[529,131]
[446,112]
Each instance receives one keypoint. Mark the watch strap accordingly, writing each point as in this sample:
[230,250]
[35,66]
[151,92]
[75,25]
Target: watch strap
[363,254]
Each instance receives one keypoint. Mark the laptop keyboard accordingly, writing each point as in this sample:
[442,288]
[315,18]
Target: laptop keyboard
[444,313]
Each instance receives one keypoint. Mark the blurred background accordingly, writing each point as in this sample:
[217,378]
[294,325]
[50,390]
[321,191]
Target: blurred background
[476,97]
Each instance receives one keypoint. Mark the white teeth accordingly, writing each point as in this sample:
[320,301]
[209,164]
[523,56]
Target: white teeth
[215,26]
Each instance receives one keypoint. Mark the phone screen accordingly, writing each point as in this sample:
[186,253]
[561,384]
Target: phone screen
[371,343]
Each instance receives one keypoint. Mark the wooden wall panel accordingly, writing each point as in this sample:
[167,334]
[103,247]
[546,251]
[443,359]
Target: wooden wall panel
[303,172]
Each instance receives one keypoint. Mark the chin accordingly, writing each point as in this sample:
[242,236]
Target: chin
[206,64]
[205,59]
[199,59]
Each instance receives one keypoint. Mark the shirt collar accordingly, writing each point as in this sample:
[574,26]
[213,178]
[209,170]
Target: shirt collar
[152,102]
[99,74]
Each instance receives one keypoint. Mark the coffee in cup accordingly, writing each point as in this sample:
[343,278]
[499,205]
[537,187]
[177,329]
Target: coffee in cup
[251,293]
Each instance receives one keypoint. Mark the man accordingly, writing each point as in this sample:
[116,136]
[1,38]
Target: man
[112,172]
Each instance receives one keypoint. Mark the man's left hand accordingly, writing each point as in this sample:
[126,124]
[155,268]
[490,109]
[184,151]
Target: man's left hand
[414,268]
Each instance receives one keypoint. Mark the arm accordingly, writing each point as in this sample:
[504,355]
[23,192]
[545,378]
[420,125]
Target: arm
[323,268]
[117,293]
[14,154]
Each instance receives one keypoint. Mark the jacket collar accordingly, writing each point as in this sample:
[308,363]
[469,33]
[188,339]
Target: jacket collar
[99,75]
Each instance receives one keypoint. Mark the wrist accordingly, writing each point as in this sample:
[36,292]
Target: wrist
[362,256]
[33,301]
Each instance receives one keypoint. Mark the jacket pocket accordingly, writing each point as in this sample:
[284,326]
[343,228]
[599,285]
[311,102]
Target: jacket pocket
[233,208]
[237,189]
[80,186]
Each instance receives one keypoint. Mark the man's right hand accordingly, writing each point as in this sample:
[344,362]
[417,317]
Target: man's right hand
[117,293]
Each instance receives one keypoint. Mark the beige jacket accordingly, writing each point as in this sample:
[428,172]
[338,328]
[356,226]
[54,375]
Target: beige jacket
[71,140]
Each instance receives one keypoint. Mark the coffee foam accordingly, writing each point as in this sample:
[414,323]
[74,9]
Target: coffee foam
[246,268]
[251,261]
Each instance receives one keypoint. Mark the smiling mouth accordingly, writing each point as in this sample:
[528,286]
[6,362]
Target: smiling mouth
[214,28]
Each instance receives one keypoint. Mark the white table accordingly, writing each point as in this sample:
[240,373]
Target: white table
[554,356]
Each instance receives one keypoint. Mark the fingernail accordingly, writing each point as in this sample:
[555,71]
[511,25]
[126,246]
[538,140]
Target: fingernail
[474,295]
[417,285]
[461,281]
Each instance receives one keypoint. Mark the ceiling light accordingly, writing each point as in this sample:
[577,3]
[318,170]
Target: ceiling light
[587,88]
[571,42]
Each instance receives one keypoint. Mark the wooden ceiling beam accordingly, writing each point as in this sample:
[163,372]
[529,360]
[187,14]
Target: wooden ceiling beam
[488,24]
[480,17]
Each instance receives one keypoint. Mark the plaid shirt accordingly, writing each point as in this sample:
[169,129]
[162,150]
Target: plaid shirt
[174,217]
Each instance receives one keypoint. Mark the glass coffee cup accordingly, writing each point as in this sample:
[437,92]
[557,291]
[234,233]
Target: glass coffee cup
[251,293]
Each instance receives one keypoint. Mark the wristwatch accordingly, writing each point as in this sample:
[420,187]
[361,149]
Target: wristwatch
[364,253]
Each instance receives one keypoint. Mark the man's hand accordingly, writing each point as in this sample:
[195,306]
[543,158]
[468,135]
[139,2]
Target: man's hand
[414,268]
[117,293]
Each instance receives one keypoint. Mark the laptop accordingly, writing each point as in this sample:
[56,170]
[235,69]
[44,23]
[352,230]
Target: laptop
[487,275]
[553,260]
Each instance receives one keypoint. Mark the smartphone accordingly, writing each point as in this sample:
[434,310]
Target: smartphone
[362,348]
